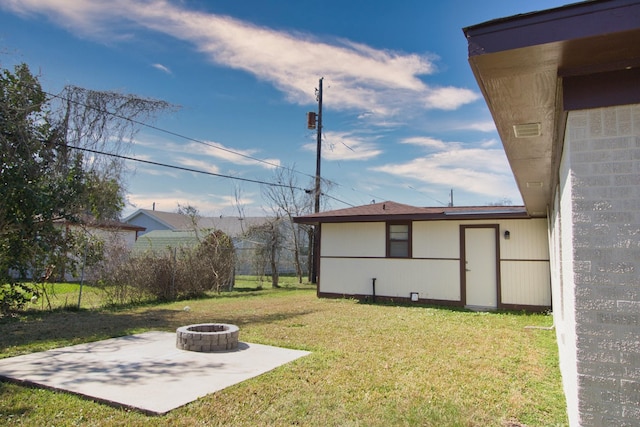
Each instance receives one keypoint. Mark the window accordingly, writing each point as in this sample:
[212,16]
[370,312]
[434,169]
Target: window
[399,240]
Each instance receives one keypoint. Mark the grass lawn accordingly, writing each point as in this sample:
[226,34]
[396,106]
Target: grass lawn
[371,365]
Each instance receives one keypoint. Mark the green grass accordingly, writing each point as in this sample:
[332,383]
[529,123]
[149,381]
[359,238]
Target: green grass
[66,296]
[371,365]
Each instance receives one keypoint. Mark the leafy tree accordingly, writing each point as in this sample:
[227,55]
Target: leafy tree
[44,180]
[35,187]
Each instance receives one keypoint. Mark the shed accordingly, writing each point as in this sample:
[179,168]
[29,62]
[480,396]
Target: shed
[480,257]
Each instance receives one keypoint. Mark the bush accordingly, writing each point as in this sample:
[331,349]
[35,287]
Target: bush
[174,273]
[14,296]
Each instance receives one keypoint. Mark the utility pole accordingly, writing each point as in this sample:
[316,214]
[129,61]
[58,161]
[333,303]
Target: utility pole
[311,124]
[319,147]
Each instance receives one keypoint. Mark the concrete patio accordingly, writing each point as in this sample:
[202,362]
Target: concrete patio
[144,371]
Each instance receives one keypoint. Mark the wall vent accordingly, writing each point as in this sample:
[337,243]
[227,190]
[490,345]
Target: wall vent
[527,130]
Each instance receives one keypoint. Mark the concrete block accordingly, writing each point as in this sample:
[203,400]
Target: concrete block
[595,123]
[629,392]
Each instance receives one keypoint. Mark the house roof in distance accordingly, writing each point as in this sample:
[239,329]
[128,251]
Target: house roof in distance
[230,225]
[103,224]
[390,211]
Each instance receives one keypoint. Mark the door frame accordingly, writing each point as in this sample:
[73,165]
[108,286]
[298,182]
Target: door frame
[463,262]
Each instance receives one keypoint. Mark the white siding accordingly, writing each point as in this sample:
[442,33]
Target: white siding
[436,239]
[364,239]
[528,239]
[439,280]
[354,253]
[525,282]
[115,237]
[150,224]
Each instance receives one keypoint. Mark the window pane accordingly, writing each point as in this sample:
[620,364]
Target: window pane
[399,240]
[399,249]
[399,232]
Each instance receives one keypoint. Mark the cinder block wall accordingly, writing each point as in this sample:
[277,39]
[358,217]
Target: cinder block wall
[602,153]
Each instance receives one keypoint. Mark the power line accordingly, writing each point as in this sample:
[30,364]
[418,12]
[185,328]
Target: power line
[176,134]
[166,165]
[188,139]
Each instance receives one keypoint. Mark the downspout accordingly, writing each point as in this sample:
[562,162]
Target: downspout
[373,295]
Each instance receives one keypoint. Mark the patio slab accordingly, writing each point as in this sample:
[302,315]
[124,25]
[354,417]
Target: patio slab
[144,371]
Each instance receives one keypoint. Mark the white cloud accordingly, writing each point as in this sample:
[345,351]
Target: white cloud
[207,204]
[156,171]
[202,165]
[486,126]
[358,77]
[214,150]
[428,142]
[232,155]
[345,146]
[490,143]
[449,98]
[162,68]
[481,171]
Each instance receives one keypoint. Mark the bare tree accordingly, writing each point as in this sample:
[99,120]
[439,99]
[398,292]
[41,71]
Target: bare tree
[239,204]
[287,201]
[102,121]
[268,240]
[192,213]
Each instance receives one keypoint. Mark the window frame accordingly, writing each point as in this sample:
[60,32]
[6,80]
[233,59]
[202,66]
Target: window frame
[408,241]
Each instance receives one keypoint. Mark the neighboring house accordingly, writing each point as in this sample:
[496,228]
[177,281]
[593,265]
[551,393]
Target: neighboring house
[485,257]
[114,235]
[113,232]
[234,227]
[108,231]
[563,86]
[158,220]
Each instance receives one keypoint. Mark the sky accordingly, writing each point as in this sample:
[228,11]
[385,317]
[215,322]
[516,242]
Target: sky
[403,117]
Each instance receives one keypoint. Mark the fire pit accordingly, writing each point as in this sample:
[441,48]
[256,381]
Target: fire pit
[207,337]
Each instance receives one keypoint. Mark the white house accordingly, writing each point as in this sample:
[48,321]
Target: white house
[563,86]
[153,220]
[158,226]
[114,232]
[488,257]
[114,235]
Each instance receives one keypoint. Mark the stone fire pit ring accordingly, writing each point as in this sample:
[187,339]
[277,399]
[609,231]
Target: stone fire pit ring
[207,337]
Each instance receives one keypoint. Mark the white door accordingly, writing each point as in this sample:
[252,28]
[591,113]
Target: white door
[480,266]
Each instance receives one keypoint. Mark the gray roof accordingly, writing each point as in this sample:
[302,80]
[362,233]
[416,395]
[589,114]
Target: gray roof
[230,225]
[389,211]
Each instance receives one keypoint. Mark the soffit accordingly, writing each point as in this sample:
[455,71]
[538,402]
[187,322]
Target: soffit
[522,81]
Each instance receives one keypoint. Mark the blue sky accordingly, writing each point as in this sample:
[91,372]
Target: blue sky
[404,119]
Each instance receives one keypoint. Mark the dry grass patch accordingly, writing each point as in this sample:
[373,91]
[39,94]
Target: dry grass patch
[371,365]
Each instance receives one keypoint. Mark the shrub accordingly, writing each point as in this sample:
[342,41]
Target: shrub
[173,273]
[14,296]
